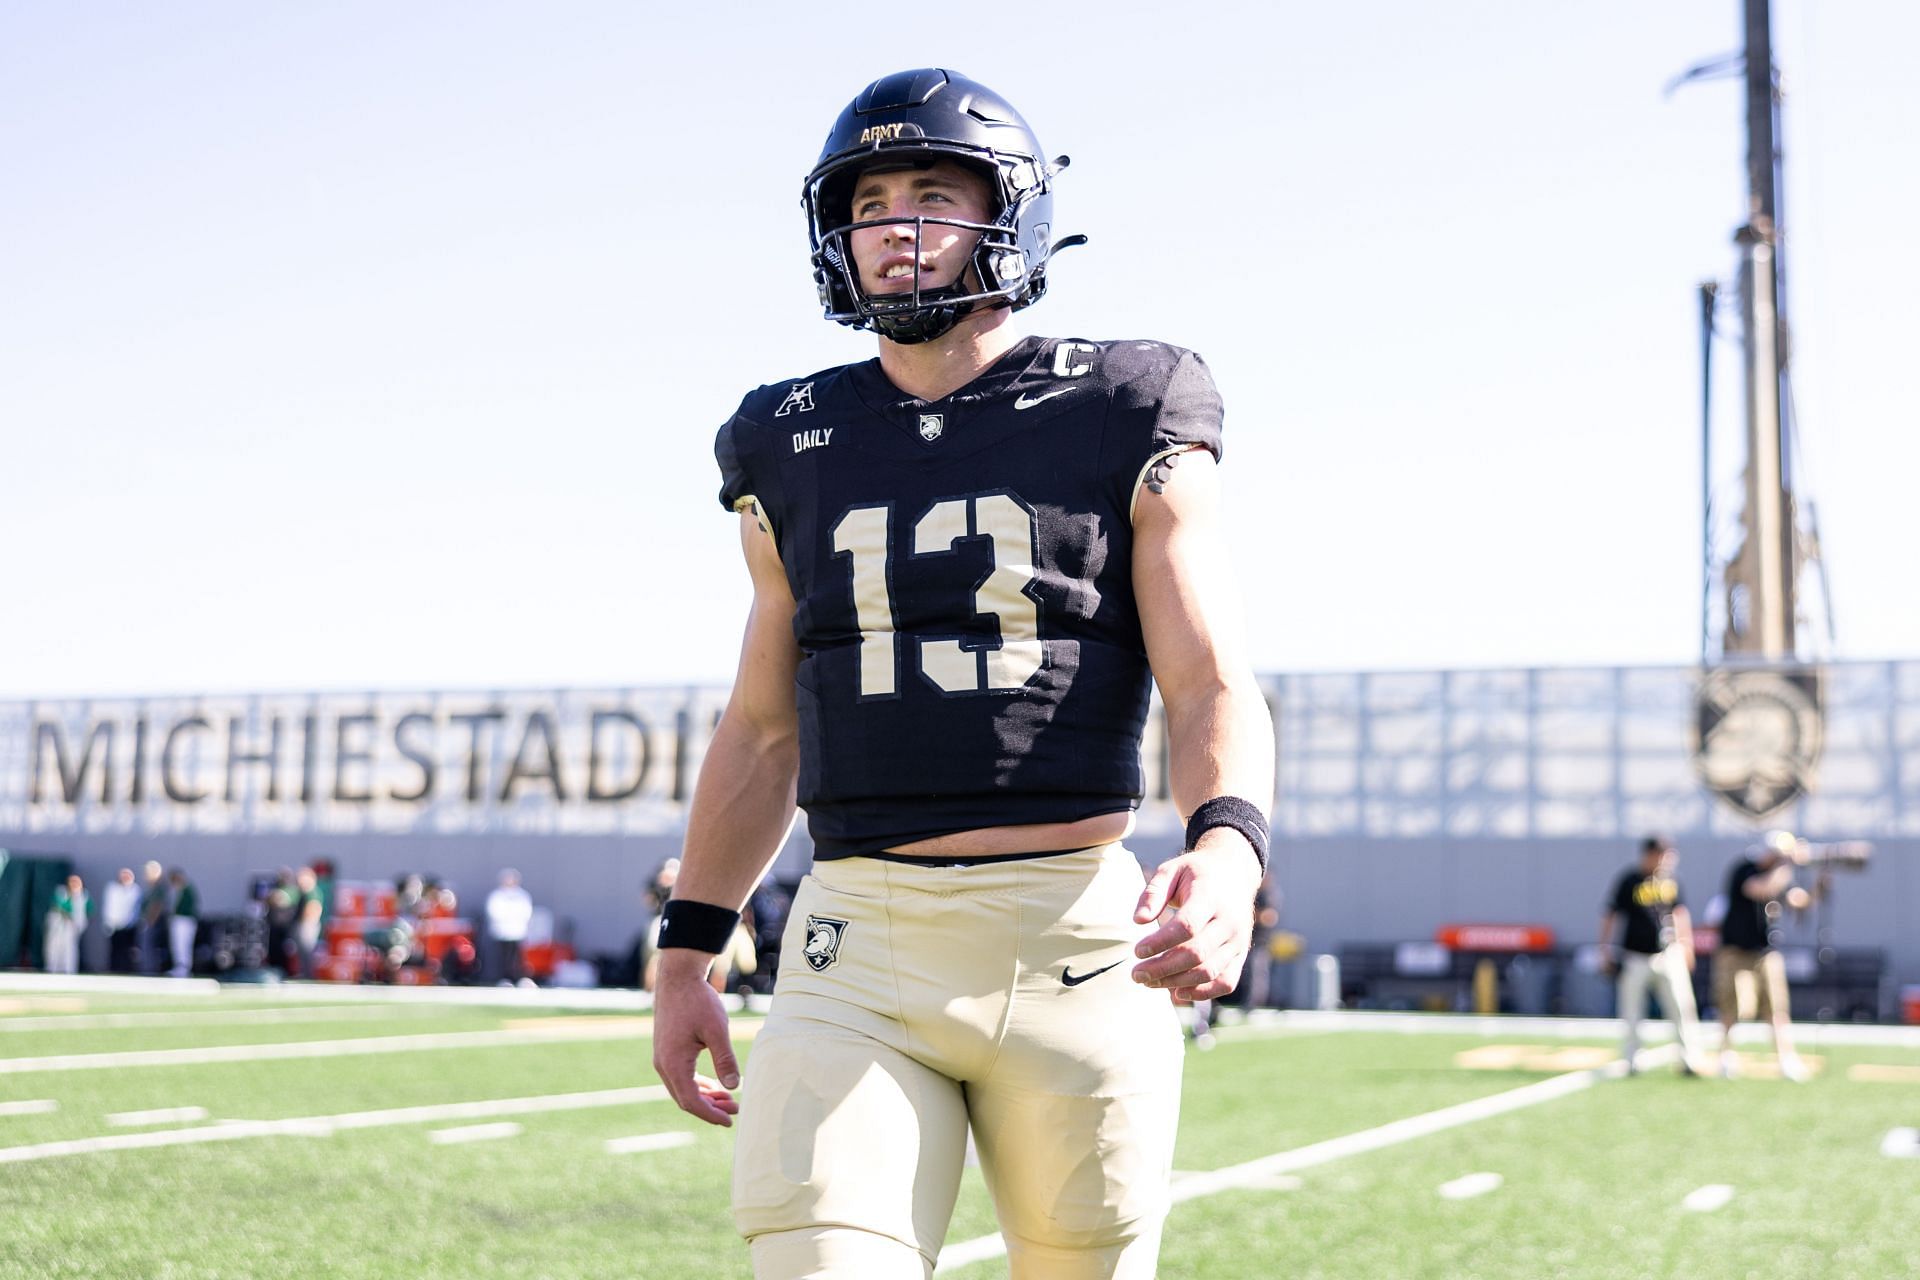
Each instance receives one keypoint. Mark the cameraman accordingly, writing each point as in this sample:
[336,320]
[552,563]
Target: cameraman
[1656,949]
[1757,885]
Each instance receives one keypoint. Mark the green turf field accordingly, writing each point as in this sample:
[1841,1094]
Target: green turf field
[360,1178]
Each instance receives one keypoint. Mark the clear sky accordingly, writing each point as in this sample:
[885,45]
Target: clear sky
[367,345]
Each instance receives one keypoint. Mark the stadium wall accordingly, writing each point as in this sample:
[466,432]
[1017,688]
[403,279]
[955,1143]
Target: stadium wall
[1407,800]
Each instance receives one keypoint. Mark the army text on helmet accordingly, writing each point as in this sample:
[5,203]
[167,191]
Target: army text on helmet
[918,118]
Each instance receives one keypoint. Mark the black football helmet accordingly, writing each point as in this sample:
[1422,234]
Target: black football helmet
[918,118]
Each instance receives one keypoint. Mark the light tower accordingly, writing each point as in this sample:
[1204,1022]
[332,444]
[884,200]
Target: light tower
[1758,720]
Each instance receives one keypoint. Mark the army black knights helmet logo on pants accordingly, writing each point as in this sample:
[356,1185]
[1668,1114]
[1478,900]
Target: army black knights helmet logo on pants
[823,941]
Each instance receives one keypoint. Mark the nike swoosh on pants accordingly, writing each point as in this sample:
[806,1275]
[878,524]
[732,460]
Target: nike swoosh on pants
[1069,979]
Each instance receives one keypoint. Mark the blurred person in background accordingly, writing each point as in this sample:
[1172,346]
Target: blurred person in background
[741,960]
[1749,978]
[120,916]
[664,878]
[184,926]
[323,874]
[308,910]
[409,892]
[66,921]
[509,912]
[1655,950]
[1254,990]
[658,892]
[768,908]
[283,909]
[1256,984]
[153,917]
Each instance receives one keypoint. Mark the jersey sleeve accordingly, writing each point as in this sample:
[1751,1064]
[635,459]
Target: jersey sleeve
[1190,410]
[1164,402]
[731,450]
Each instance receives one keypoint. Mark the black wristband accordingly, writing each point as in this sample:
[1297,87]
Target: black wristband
[1243,816]
[696,926]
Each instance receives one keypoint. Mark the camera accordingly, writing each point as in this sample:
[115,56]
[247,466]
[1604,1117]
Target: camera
[1840,855]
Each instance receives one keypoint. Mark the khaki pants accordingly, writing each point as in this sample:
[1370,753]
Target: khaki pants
[1666,973]
[1749,984]
[916,1001]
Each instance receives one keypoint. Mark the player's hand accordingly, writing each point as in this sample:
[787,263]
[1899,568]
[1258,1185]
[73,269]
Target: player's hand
[687,1018]
[1203,904]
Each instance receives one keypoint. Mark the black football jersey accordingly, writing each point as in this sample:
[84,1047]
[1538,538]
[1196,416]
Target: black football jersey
[1647,904]
[971,653]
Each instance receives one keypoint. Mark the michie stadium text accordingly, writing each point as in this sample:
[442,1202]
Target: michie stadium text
[599,760]
[334,756]
[382,761]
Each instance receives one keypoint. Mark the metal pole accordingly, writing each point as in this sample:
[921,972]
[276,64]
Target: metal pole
[1768,633]
[1760,581]
[1761,204]
[1709,294]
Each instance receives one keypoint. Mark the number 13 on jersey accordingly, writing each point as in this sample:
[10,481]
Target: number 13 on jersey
[865,536]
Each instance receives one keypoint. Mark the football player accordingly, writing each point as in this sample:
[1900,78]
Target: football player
[966,555]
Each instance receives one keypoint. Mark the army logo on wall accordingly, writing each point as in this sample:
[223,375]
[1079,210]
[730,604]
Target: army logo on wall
[1758,737]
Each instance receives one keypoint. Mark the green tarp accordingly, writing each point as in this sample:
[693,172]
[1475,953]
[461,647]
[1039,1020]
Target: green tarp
[27,882]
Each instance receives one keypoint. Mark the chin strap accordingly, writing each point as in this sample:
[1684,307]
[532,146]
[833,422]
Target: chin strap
[920,326]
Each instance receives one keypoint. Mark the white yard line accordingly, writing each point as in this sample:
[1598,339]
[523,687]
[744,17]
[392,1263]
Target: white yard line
[205,1018]
[649,1142]
[160,1115]
[1394,1133]
[323,1126]
[1808,1035]
[101,984]
[474,1133]
[1255,1172]
[37,1107]
[212,993]
[624,1030]
[1469,1186]
[1714,1195]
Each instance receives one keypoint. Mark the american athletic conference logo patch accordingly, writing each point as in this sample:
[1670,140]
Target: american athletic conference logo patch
[823,941]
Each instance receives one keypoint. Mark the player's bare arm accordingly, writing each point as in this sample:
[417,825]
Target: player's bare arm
[1219,731]
[742,807]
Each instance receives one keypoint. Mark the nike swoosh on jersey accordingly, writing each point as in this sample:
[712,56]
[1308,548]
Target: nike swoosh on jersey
[1027,399]
[1069,979]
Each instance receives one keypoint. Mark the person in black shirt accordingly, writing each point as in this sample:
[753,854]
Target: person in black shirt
[971,557]
[1655,949]
[1749,977]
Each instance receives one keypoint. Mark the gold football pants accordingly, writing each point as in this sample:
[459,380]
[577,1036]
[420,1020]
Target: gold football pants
[918,1000]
